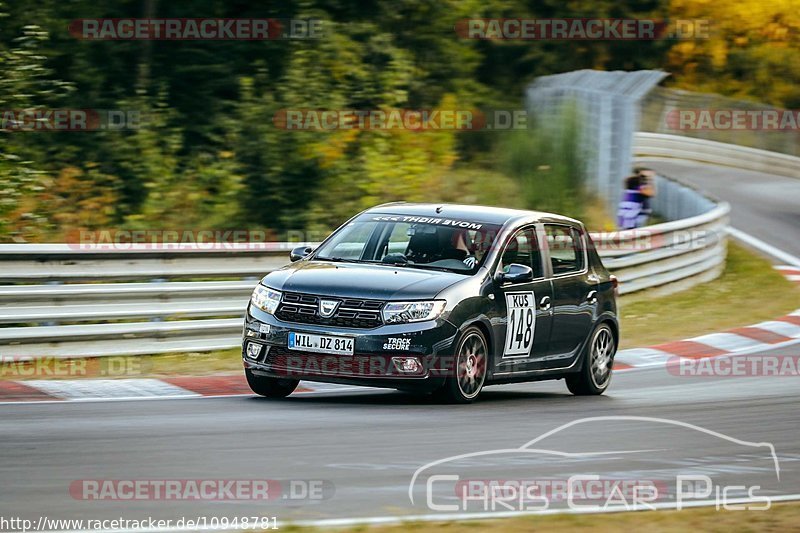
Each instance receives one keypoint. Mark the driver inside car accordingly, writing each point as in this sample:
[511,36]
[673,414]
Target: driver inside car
[453,243]
[429,244]
[423,246]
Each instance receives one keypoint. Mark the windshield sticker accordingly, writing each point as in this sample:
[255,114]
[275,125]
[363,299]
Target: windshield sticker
[429,220]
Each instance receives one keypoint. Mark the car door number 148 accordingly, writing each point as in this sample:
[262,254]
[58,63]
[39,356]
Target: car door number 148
[521,323]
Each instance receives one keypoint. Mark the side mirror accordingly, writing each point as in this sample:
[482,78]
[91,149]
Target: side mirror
[300,252]
[517,274]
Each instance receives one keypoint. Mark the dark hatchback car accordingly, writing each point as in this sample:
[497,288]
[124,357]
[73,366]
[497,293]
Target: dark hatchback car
[437,298]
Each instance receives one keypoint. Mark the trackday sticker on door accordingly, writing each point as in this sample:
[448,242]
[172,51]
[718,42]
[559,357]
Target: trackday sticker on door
[520,325]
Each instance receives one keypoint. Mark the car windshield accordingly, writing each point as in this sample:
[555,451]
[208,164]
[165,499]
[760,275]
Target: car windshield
[412,242]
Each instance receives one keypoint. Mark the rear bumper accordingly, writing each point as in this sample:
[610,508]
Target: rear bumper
[373,363]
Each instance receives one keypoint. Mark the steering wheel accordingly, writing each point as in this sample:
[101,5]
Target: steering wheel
[396,258]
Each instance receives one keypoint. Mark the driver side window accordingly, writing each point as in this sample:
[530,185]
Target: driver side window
[566,251]
[523,249]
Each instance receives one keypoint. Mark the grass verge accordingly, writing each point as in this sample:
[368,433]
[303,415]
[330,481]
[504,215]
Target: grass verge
[780,517]
[747,292]
[131,366]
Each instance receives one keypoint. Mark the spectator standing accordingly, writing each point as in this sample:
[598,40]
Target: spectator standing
[635,206]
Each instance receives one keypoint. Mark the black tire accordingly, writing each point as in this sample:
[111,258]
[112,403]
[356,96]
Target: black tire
[598,361]
[469,372]
[270,387]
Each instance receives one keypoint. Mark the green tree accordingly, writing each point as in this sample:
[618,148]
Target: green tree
[26,82]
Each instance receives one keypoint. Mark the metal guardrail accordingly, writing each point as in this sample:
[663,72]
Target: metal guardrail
[134,302]
[716,153]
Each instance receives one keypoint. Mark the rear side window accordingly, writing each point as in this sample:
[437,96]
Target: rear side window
[566,249]
[523,250]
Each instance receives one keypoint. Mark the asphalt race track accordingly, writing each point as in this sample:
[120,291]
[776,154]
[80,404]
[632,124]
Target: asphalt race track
[763,205]
[365,446]
[369,444]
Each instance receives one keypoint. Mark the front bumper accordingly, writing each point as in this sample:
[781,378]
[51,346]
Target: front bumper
[373,363]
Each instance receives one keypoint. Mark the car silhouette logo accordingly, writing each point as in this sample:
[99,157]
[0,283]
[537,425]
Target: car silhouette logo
[327,308]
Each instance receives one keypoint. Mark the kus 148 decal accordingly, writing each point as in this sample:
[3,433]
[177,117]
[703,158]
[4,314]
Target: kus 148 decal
[521,324]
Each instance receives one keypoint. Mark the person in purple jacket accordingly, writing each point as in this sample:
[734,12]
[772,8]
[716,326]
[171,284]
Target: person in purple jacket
[634,207]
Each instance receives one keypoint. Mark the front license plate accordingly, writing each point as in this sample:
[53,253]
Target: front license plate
[321,343]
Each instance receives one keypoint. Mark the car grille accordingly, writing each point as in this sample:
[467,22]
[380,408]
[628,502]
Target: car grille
[351,313]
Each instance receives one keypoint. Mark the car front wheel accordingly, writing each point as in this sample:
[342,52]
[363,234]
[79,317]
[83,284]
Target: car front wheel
[598,359]
[469,374]
[270,387]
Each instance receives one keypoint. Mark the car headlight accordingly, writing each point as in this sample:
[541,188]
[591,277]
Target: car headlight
[402,312]
[266,299]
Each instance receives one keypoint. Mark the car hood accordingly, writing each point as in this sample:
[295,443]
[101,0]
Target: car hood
[353,280]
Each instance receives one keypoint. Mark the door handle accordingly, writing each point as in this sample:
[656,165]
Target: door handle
[591,297]
[544,303]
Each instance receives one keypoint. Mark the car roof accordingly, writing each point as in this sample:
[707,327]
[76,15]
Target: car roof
[474,213]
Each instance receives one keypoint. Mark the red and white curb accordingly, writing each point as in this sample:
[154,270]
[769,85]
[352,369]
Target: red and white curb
[141,388]
[791,272]
[749,339]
